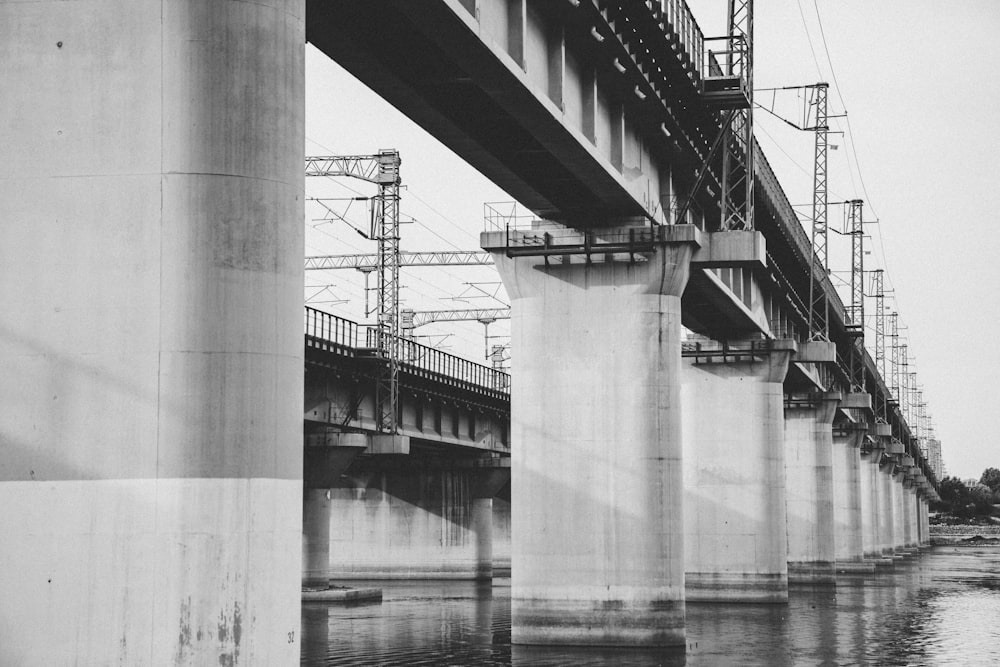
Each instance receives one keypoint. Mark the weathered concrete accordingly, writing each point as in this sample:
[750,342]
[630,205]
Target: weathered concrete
[910,512]
[847,493]
[898,517]
[597,547]
[736,548]
[411,524]
[151,343]
[501,537]
[868,477]
[886,507]
[809,487]
[316,508]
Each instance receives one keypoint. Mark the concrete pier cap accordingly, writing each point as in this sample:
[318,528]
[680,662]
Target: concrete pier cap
[815,351]
[597,554]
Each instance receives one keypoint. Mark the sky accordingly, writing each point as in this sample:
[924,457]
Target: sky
[917,81]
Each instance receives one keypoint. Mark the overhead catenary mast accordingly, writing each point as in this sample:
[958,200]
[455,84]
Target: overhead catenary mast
[819,309]
[737,157]
[381,169]
[857,316]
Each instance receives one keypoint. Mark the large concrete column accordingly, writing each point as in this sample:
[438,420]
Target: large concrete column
[482,528]
[327,455]
[809,487]
[150,331]
[927,521]
[898,517]
[401,518]
[886,507]
[847,491]
[869,502]
[736,547]
[316,507]
[910,510]
[501,536]
[882,525]
[596,481]
[486,484]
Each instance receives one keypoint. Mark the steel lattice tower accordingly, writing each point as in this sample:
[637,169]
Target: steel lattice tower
[894,362]
[904,378]
[818,306]
[387,235]
[878,292]
[383,170]
[855,222]
[737,160]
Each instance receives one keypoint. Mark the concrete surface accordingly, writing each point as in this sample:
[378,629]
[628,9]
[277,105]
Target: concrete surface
[151,342]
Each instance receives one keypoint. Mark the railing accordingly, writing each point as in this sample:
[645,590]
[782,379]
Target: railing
[691,39]
[329,330]
[425,361]
[336,334]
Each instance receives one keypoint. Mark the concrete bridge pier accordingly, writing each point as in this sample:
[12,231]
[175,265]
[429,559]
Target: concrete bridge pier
[809,487]
[925,523]
[870,455]
[847,439]
[327,456]
[910,509]
[597,545]
[898,515]
[736,546]
[886,506]
[151,342]
[398,517]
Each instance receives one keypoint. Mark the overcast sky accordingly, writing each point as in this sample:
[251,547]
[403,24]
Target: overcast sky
[918,81]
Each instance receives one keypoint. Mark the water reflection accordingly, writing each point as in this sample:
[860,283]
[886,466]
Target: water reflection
[939,608]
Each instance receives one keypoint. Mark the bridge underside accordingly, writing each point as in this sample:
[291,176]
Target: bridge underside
[430,60]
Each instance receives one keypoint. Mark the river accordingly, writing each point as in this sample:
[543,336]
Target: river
[941,607]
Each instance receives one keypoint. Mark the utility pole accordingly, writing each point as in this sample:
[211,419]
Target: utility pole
[737,158]
[855,218]
[894,362]
[904,378]
[381,169]
[819,315]
[878,292]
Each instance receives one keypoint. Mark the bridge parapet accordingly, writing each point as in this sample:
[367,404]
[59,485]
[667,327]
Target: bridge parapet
[337,335]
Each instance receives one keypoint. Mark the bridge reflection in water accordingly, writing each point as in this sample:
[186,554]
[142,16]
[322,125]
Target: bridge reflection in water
[936,608]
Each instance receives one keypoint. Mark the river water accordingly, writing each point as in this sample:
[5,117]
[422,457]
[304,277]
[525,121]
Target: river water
[941,607]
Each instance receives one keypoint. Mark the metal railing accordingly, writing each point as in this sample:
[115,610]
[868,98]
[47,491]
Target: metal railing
[337,334]
[327,331]
[422,360]
[689,35]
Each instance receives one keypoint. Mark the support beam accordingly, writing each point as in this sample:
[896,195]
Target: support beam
[809,487]
[734,474]
[152,377]
[887,506]
[597,553]
[413,519]
[847,492]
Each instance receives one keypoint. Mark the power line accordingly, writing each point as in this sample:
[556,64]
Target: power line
[805,27]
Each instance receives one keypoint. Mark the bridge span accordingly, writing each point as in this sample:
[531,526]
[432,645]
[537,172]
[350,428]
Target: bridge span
[601,117]
[677,431]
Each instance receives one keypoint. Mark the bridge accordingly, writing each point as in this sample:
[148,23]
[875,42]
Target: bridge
[416,503]
[692,415]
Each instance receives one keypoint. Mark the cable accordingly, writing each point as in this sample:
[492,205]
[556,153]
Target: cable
[805,27]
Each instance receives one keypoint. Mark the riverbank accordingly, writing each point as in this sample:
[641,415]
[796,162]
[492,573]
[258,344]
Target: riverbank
[964,534]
